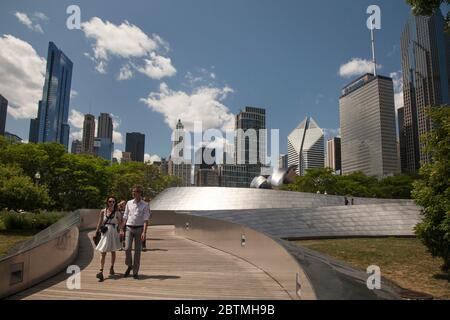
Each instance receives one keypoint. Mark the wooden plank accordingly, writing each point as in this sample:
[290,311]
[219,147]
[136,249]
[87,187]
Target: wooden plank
[172,268]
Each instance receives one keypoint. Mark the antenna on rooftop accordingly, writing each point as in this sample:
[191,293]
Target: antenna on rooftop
[374,61]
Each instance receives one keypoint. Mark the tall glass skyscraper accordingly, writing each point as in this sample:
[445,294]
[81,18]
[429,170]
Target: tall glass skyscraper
[103,145]
[54,110]
[426,80]
[3,112]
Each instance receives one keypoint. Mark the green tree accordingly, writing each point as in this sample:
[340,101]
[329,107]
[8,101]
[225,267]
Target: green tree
[427,7]
[432,190]
[18,192]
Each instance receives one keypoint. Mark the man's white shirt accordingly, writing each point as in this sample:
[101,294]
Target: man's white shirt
[136,213]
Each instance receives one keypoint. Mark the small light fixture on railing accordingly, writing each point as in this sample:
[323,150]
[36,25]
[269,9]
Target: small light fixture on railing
[186,226]
[243,239]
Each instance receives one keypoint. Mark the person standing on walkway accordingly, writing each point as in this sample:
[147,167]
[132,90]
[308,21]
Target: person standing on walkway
[121,209]
[134,225]
[108,222]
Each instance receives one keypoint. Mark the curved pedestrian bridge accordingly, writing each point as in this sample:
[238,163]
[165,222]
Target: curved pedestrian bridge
[173,267]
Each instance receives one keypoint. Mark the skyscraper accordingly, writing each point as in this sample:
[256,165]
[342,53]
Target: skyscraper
[333,159]
[402,138]
[250,145]
[88,133]
[306,146]
[105,145]
[135,144]
[176,164]
[77,147]
[33,134]
[367,120]
[3,112]
[105,126]
[425,49]
[54,110]
[283,161]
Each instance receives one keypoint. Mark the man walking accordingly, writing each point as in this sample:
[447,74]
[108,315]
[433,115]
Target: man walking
[135,222]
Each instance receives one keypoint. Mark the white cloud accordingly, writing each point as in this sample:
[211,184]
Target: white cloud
[125,72]
[25,20]
[76,119]
[22,73]
[117,137]
[40,16]
[397,78]
[158,67]
[151,158]
[73,93]
[356,67]
[117,154]
[331,132]
[203,104]
[129,42]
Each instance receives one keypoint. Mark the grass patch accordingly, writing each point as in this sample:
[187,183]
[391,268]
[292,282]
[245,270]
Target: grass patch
[404,261]
[11,238]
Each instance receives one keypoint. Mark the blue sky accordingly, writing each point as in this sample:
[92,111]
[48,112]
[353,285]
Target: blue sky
[284,56]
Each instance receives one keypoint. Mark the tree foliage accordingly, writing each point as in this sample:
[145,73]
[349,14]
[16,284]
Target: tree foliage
[355,184]
[427,7]
[68,181]
[432,191]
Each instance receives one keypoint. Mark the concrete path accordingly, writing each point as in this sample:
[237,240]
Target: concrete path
[172,268]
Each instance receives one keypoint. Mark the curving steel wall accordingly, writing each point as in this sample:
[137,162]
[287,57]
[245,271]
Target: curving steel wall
[46,254]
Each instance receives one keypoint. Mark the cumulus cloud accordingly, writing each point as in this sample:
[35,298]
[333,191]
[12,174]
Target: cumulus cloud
[356,67]
[202,104]
[22,73]
[158,67]
[397,78]
[151,158]
[125,72]
[117,154]
[331,132]
[73,93]
[127,41]
[27,21]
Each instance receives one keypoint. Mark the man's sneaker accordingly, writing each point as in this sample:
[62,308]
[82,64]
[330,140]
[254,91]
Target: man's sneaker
[136,276]
[127,273]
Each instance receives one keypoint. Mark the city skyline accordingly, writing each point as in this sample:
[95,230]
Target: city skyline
[222,87]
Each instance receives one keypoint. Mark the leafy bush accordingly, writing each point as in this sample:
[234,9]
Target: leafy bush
[28,221]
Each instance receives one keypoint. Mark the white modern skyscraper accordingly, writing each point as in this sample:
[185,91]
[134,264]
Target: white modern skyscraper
[367,117]
[306,146]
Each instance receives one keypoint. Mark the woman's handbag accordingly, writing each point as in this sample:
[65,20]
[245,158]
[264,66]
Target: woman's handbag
[103,229]
[97,237]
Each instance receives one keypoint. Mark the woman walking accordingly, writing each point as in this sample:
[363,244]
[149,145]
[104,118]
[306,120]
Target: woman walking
[107,224]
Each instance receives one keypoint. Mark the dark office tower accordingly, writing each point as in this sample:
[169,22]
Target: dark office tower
[88,133]
[333,159]
[135,143]
[3,112]
[54,112]
[402,138]
[33,135]
[426,80]
[105,126]
[250,148]
[77,147]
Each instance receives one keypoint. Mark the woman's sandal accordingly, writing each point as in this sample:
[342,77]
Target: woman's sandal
[100,276]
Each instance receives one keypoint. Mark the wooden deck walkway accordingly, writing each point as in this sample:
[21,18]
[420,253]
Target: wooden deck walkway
[172,268]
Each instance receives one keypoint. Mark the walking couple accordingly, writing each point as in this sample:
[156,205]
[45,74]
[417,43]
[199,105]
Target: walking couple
[132,225]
